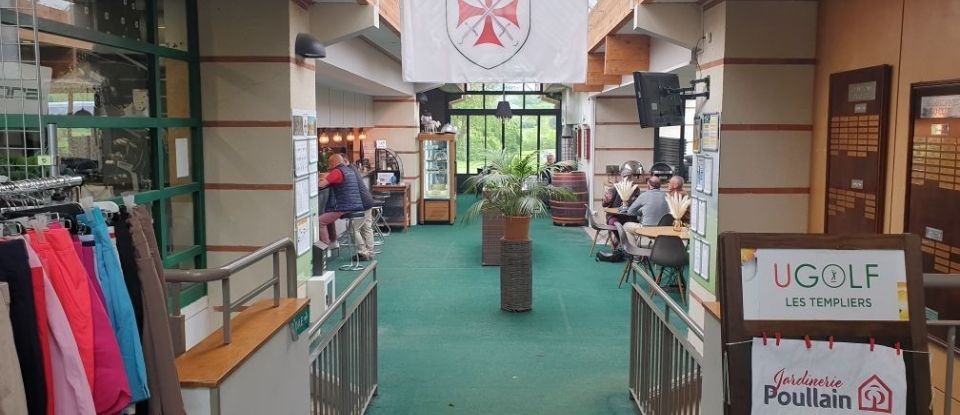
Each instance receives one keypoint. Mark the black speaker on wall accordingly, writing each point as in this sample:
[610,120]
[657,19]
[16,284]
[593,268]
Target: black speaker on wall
[309,47]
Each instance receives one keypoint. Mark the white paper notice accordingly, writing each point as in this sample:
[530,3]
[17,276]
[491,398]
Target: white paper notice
[705,260]
[843,378]
[821,284]
[301,157]
[303,235]
[314,185]
[702,220]
[708,175]
[182,150]
[303,196]
[695,249]
[314,149]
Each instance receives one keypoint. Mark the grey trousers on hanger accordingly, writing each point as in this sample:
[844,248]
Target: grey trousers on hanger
[158,355]
[13,398]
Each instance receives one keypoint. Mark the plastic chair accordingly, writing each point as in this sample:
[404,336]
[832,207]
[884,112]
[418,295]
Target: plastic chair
[666,220]
[669,252]
[597,227]
[633,253]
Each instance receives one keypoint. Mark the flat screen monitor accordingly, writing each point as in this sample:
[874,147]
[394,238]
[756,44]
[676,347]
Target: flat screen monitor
[656,106]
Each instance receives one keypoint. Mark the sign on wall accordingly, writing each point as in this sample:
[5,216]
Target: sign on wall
[458,41]
[822,378]
[819,284]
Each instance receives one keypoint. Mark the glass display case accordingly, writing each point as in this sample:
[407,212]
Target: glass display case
[438,184]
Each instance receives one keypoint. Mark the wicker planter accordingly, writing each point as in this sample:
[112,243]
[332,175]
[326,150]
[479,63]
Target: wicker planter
[492,232]
[516,276]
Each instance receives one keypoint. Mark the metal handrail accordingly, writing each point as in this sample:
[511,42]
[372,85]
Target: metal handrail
[340,305]
[679,311]
[286,245]
[946,281]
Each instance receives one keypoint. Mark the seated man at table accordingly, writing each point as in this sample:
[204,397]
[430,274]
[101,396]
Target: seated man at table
[611,199]
[346,196]
[649,207]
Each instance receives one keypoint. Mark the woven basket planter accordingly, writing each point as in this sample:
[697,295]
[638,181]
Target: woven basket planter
[516,276]
[492,232]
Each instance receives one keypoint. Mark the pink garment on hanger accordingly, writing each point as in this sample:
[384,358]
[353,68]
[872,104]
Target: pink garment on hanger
[70,388]
[111,389]
[73,291]
[43,332]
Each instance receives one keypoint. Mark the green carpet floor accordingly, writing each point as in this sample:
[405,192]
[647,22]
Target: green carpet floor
[446,348]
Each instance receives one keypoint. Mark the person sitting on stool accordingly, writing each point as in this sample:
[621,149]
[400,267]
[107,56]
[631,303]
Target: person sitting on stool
[345,196]
[363,230]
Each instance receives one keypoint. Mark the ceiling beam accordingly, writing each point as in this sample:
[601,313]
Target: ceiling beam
[595,71]
[587,88]
[626,54]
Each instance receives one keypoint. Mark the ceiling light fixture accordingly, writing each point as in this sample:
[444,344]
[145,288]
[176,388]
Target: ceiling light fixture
[324,137]
[337,136]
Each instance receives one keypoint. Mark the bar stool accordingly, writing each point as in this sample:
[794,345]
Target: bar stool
[354,264]
[379,222]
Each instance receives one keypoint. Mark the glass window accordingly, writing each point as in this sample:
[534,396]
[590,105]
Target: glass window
[112,161]
[478,143]
[539,102]
[93,80]
[529,137]
[180,231]
[18,157]
[463,133]
[172,24]
[548,135]
[124,18]
[175,88]
[494,134]
[467,102]
[511,136]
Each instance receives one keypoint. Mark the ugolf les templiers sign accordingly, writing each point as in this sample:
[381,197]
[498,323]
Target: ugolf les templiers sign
[820,284]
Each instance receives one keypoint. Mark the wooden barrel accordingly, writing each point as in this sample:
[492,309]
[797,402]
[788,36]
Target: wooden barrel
[570,212]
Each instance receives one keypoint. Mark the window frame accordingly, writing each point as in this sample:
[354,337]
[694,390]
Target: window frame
[156,124]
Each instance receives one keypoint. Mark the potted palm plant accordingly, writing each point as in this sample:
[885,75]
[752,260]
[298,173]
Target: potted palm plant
[511,185]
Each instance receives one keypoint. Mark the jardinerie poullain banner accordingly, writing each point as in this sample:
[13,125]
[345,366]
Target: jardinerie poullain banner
[845,378]
[817,284]
[459,41]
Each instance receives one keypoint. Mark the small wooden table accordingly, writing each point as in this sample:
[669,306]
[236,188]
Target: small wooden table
[653,232]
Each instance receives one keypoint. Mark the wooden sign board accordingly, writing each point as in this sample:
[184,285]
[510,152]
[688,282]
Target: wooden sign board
[908,327]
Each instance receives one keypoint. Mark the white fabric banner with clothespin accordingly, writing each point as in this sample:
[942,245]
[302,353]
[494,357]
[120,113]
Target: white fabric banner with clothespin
[460,41]
[795,377]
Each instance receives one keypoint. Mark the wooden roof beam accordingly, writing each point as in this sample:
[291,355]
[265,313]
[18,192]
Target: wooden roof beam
[626,54]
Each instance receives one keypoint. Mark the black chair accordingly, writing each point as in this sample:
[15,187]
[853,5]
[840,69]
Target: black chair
[669,252]
[666,220]
[633,253]
[597,227]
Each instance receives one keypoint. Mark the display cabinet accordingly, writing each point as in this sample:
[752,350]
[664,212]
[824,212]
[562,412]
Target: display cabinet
[438,185]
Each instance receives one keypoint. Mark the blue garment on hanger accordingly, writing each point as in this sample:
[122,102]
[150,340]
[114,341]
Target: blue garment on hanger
[119,306]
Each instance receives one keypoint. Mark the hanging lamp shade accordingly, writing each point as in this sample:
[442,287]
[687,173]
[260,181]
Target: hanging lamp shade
[351,136]
[363,135]
[324,137]
[337,137]
[503,111]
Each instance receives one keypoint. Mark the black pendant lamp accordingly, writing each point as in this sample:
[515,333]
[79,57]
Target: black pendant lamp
[503,107]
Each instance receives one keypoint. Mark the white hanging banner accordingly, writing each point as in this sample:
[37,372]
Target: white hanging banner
[791,378]
[459,41]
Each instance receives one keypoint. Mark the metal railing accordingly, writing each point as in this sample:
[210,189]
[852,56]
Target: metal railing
[177,277]
[344,349]
[946,282]
[665,368]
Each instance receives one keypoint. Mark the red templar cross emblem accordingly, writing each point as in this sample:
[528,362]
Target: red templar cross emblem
[494,15]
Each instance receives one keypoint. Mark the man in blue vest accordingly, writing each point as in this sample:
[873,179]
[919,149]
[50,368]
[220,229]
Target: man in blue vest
[345,185]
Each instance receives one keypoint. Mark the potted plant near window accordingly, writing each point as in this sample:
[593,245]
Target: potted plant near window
[513,186]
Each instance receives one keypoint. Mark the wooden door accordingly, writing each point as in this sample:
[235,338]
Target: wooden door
[857,142]
[933,190]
